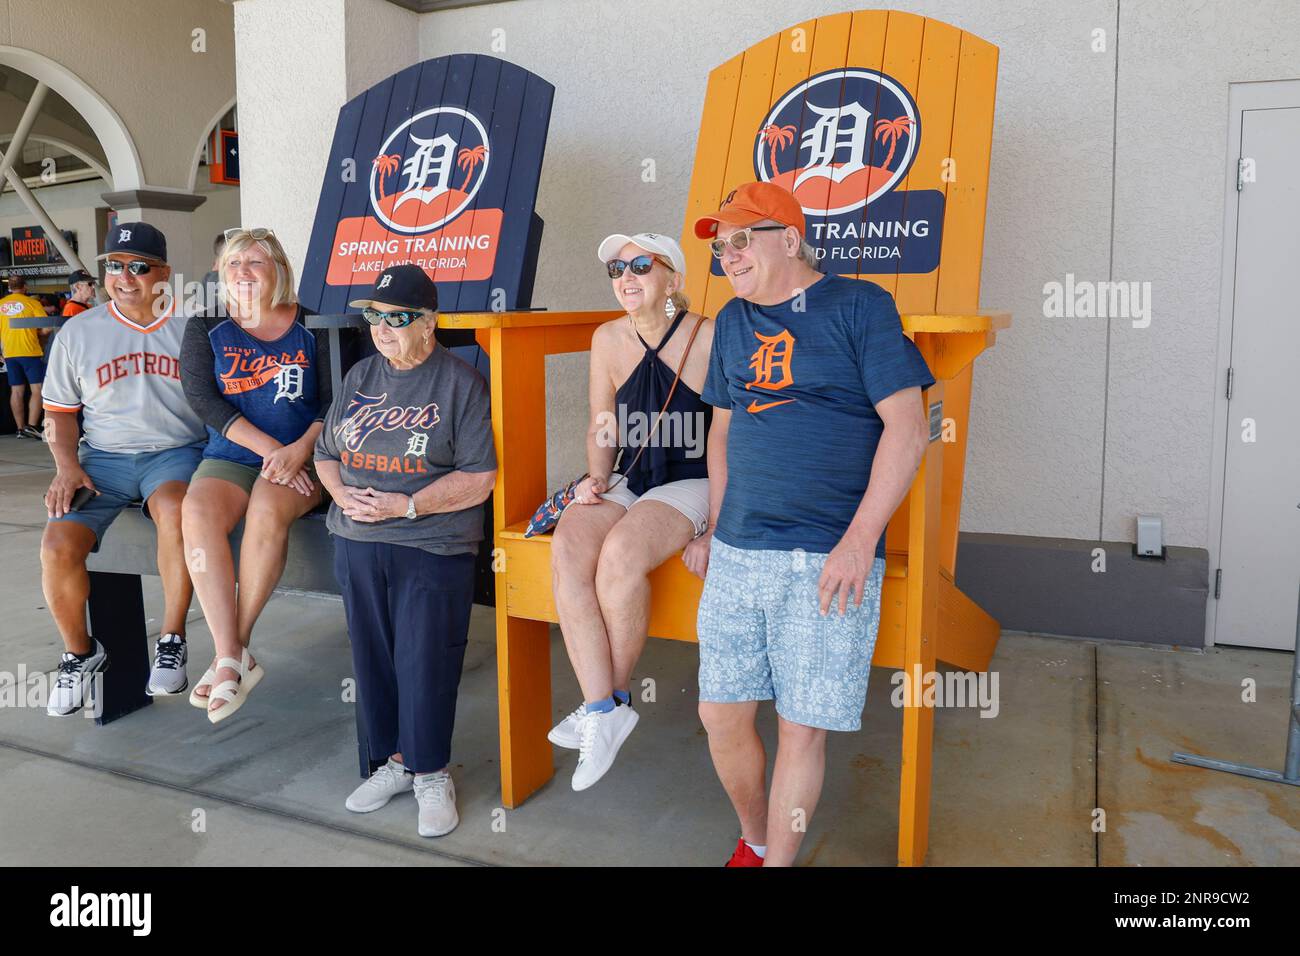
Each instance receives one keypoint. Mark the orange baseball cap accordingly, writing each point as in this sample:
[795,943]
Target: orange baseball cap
[751,203]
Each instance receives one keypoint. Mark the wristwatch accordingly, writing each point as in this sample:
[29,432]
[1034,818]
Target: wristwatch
[410,507]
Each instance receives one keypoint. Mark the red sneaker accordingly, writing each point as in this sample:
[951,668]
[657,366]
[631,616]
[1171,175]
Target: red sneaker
[744,856]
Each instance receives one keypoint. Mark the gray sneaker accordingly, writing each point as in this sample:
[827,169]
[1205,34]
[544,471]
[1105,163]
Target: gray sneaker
[168,673]
[436,795]
[75,680]
[380,787]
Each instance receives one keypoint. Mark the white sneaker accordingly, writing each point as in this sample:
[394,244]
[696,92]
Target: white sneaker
[600,737]
[436,795]
[382,785]
[76,677]
[168,673]
[567,733]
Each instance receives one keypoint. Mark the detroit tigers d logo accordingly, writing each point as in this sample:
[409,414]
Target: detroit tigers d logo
[839,140]
[429,169]
[843,142]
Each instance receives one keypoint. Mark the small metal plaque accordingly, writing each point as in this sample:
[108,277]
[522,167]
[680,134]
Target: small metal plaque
[936,420]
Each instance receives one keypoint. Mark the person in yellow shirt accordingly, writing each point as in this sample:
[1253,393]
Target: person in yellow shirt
[23,356]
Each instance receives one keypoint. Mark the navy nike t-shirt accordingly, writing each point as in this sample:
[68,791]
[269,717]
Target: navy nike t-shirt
[802,386]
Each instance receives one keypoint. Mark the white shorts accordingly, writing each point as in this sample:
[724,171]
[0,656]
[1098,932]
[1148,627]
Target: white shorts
[690,496]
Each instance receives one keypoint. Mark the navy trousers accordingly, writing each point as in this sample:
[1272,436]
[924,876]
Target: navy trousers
[408,621]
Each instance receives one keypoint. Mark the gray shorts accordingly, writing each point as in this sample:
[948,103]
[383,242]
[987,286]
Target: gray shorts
[762,637]
[690,496]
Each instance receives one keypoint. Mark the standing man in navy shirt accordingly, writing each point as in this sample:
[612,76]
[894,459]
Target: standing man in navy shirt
[828,432]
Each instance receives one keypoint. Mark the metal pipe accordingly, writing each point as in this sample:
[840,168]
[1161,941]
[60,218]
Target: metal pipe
[7,159]
[1291,769]
[19,139]
[51,230]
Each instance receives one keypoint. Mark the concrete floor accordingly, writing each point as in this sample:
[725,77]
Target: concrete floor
[1080,726]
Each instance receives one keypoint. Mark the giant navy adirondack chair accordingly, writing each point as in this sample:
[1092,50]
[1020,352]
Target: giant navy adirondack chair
[446,151]
[913,132]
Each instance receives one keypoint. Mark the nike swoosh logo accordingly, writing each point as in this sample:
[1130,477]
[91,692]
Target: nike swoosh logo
[755,407]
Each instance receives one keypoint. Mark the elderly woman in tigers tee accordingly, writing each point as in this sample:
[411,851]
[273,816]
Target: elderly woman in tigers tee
[406,454]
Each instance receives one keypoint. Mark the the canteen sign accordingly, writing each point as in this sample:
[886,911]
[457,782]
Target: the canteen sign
[842,142]
[423,181]
[436,165]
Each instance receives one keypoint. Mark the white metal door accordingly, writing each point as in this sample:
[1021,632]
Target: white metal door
[1259,554]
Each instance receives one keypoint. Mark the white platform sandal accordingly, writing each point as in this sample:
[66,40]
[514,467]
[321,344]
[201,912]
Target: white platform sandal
[233,692]
[207,680]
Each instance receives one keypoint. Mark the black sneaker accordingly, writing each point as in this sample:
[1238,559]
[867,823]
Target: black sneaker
[31,431]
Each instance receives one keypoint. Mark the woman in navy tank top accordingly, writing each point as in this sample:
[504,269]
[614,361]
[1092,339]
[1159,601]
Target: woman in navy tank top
[646,496]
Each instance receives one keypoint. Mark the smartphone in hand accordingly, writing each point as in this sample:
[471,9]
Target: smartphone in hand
[80,497]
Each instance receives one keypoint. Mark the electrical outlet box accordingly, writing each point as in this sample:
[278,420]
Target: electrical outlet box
[1150,537]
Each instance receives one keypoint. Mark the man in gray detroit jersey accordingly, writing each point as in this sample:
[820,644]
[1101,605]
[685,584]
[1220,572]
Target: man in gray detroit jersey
[118,364]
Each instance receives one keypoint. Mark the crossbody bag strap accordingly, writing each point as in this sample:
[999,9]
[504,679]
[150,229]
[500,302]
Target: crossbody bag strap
[676,378]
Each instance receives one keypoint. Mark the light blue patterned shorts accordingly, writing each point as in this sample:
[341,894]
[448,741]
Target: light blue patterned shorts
[762,637]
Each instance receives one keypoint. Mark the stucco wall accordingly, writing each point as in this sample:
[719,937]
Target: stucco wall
[1175,64]
[298,61]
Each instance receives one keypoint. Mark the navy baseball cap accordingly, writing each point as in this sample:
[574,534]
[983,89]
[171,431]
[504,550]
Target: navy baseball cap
[407,286]
[137,238]
[81,275]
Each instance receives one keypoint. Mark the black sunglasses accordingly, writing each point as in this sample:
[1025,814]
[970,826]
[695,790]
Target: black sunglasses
[137,267]
[395,320]
[641,265]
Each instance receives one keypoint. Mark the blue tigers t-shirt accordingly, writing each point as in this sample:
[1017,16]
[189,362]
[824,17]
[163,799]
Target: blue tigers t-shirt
[802,387]
[272,384]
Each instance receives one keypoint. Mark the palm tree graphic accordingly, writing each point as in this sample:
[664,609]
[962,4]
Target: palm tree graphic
[467,159]
[386,165]
[777,137]
[888,131]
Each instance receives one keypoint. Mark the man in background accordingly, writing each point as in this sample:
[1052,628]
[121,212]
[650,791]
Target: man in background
[24,357]
[81,286]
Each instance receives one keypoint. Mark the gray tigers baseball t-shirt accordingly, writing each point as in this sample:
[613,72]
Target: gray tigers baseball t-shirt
[401,430]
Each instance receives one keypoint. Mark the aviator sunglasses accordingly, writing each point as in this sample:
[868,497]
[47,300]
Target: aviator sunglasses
[641,265]
[137,267]
[395,320]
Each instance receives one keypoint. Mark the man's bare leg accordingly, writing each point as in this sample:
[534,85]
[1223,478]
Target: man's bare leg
[741,763]
[165,510]
[796,788]
[64,548]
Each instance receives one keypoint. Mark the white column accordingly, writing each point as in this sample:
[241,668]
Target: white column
[286,122]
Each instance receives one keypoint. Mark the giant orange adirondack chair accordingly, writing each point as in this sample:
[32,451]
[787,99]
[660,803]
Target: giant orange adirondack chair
[886,105]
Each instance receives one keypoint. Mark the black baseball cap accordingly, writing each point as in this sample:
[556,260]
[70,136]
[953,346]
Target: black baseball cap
[81,275]
[407,286]
[138,238]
